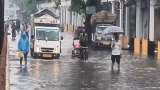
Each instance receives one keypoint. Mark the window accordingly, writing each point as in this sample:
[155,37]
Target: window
[47,34]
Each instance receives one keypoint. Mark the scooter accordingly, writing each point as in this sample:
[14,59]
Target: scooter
[76,49]
[13,36]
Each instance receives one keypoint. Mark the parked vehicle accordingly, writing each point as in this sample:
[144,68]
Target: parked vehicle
[45,35]
[76,48]
[46,41]
[99,23]
[101,37]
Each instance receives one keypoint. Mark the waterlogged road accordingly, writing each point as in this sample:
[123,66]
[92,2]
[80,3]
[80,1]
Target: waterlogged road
[69,73]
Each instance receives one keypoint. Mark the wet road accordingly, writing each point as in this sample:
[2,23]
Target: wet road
[67,73]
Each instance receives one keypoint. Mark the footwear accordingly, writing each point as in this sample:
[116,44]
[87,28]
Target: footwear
[21,61]
[112,66]
[25,63]
[118,67]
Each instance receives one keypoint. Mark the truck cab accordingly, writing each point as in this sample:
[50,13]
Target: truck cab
[100,37]
[99,22]
[46,41]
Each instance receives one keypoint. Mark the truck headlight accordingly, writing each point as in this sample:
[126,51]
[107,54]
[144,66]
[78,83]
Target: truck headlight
[57,49]
[98,38]
[38,49]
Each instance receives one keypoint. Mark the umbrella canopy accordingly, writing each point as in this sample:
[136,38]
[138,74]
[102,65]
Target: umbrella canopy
[114,29]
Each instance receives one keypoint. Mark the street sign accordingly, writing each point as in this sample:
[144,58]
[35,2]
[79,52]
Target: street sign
[90,10]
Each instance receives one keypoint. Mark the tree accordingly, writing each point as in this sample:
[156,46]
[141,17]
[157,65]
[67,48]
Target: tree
[79,6]
[29,7]
[57,2]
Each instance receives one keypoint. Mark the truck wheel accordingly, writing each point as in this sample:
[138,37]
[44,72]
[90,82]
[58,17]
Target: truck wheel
[57,56]
[94,46]
[110,46]
[34,55]
[73,54]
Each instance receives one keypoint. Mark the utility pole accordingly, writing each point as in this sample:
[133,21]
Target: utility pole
[121,13]
[1,23]
[3,45]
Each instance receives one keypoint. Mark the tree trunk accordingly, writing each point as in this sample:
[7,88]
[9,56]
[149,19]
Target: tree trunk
[88,26]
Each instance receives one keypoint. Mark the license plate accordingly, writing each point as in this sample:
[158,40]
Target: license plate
[47,55]
[106,43]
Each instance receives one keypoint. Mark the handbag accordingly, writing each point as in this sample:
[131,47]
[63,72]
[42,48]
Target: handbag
[20,54]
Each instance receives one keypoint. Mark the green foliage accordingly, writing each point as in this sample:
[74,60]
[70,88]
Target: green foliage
[57,2]
[79,6]
[29,6]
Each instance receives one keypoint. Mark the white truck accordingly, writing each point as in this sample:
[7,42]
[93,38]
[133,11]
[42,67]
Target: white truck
[45,36]
[99,22]
[101,38]
[46,41]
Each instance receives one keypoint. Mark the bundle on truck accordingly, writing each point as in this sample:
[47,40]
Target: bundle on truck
[99,22]
[45,35]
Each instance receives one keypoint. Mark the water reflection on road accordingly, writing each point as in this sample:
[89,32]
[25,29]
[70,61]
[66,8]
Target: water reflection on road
[69,73]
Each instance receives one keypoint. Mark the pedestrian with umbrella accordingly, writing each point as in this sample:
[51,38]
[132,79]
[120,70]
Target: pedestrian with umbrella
[116,45]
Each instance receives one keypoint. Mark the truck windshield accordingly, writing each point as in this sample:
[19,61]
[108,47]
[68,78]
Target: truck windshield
[47,34]
[101,28]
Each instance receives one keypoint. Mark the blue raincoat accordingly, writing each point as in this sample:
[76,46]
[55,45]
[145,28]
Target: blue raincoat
[23,44]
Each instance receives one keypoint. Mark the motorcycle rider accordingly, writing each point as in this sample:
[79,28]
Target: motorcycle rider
[83,41]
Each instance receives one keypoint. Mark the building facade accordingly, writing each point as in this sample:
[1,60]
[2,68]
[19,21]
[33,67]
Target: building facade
[10,10]
[68,17]
[146,17]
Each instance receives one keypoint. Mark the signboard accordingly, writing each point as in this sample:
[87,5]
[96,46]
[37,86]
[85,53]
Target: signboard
[90,9]
[46,19]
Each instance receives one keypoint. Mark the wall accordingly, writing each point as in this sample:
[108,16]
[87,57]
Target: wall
[68,17]
[3,64]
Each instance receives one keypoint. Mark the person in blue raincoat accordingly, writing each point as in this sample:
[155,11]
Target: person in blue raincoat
[23,46]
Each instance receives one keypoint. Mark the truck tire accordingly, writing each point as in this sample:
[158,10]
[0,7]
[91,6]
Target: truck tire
[73,55]
[34,55]
[31,53]
[57,56]
[93,46]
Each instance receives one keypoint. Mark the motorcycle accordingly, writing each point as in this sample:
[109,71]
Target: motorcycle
[76,48]
[13,35]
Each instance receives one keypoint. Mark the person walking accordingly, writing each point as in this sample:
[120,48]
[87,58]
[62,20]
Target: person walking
[23,47]
[6,26]
[116,51]
[28,29]
[13,31]
[84,45]
[18,26]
